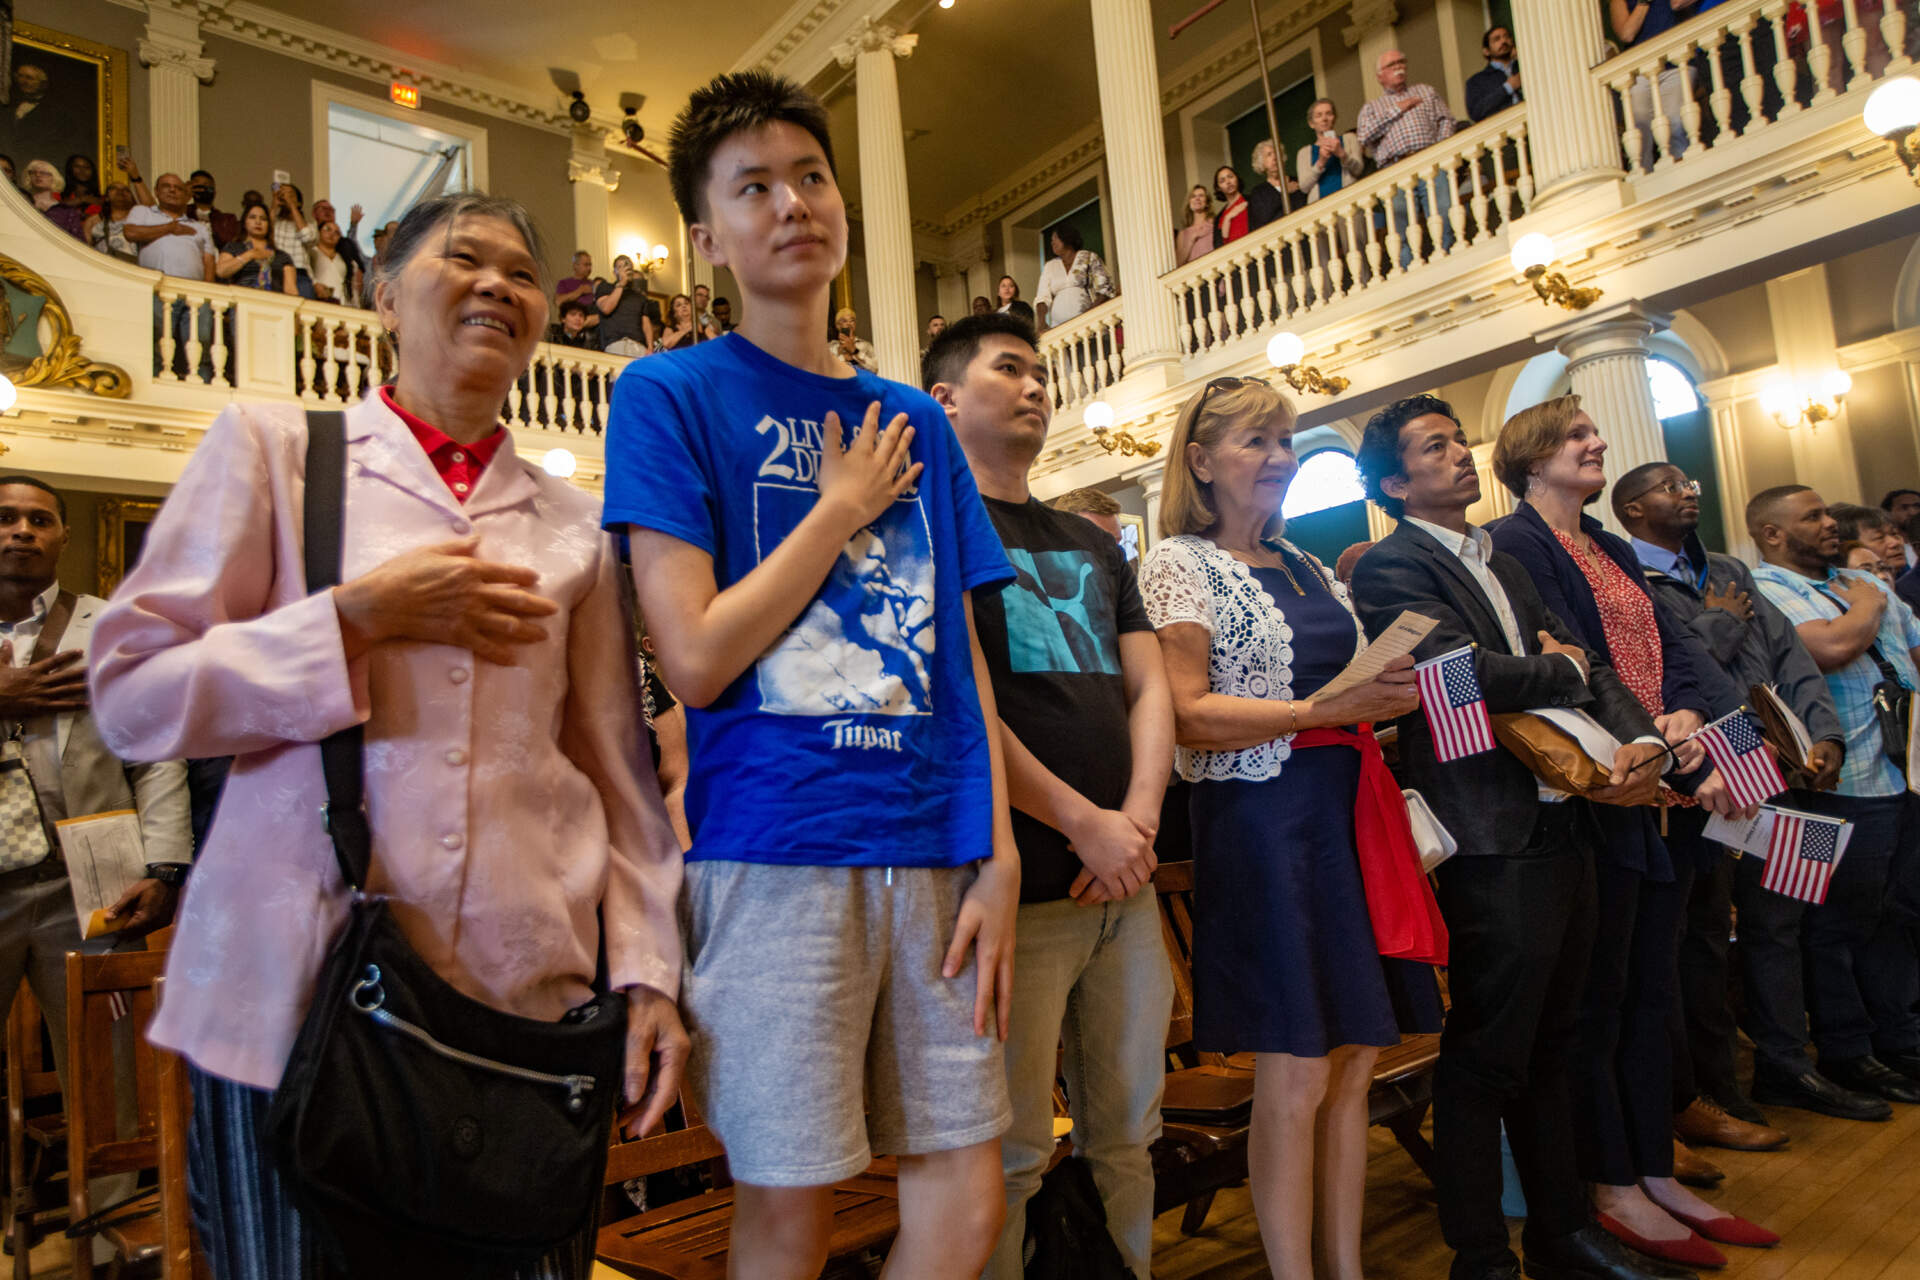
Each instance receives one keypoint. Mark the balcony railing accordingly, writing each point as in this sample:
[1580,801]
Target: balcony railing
[1365,237]
[1083,354]
[325,355]
[1744,65]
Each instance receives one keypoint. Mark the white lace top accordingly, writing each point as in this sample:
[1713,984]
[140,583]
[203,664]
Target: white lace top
[1188,579]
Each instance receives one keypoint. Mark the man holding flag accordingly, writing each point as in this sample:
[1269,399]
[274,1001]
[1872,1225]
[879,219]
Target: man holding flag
[1716,598]
[1519,895]
[1861,976]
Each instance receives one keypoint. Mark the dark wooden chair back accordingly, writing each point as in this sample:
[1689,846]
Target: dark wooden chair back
[30,1130]
[101,990]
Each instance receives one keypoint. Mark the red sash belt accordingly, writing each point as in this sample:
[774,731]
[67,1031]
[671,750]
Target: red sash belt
[1406,919]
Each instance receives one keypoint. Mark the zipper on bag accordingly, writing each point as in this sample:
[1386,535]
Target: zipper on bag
[369,997]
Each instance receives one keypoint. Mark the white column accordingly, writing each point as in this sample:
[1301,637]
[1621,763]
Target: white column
[171,51]
[885,221]
[1152,481]
[980,283]
[1607,361]
[1807,348]
[950,290]
[1369,33]
[594,178]
[1123,52]
[1570,122]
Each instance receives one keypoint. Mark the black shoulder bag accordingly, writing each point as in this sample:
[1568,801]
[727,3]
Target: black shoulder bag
[408,1107]
[1892,700]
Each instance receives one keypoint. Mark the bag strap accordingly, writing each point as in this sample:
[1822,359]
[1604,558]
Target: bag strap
[341,756]
[1887,672]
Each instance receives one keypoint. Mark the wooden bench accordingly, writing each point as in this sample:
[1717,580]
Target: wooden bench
[687,1239]
[1209,1096]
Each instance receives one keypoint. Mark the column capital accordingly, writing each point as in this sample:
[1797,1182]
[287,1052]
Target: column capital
[1620,329]
[874,37]
[1367,18]
[601,174]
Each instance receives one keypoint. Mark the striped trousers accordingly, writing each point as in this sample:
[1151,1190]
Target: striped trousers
[250,1229]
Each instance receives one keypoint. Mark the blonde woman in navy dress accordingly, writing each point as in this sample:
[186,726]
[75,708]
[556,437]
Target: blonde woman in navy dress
[1284,958]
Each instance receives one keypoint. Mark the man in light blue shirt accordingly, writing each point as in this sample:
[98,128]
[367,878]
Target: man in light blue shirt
[1861,974]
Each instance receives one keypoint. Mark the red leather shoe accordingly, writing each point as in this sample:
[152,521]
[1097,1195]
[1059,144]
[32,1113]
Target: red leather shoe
[1731,1229]
[1690,1252]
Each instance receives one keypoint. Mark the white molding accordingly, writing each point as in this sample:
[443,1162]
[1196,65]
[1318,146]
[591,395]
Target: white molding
[325,93]
[310,42]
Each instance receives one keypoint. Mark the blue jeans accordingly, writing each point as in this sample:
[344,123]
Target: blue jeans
[1097,979]
[1443,201]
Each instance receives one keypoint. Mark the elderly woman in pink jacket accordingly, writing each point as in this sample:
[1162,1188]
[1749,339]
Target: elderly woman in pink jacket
[479,637]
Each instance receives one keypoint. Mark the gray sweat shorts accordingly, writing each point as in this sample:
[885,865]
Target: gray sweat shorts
[823,1033]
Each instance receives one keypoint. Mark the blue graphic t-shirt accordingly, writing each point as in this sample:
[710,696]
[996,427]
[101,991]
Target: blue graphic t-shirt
[856,739]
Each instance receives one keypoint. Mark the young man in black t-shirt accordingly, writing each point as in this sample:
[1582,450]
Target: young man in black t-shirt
[1087,732]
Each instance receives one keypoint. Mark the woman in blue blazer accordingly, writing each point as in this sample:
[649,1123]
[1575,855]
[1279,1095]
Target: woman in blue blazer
[1550,457]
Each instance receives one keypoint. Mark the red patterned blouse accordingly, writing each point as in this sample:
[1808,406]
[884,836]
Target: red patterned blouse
[1626,618]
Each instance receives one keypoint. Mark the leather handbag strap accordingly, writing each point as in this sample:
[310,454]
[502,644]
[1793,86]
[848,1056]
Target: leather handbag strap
[341,756]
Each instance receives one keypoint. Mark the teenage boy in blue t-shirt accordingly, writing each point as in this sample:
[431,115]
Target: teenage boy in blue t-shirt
[805,574]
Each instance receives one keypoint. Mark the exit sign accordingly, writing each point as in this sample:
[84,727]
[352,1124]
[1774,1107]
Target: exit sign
[405,95]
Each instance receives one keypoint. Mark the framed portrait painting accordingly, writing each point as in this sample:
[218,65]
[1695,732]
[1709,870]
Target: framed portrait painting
[122,537]
[69,97]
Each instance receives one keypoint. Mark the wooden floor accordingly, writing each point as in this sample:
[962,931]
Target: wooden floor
[1844,1195]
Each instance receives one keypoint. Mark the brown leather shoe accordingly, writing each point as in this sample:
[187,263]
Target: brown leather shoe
[1693,1169]
[1704,1124]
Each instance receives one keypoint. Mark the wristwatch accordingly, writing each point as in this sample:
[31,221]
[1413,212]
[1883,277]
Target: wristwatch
[172,874]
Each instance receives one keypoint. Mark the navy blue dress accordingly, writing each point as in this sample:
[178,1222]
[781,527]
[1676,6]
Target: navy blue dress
[1284,959]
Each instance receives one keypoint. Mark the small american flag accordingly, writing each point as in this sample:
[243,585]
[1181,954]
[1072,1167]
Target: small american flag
[1456,709]
[1735,748]
[1801,855]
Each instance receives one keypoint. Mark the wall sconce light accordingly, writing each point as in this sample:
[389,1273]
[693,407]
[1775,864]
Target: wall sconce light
[1893,112]
[1286,352]
[1099,420]
[1790,407]
[1531,255]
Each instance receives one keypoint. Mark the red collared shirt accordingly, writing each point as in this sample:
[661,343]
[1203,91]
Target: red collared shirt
[459,464]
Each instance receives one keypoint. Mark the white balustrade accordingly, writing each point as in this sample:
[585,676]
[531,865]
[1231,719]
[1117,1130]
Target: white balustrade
[337,354]
[1449,198]
[1083,355]
[1675,93]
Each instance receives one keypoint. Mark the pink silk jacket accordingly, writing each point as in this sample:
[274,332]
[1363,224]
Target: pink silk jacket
[509,804]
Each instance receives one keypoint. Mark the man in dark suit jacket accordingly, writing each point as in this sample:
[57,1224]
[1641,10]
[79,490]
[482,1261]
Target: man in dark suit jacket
[1519,895]
[1497,85]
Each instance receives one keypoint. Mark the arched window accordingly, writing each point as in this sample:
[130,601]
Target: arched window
[1326,479]
[1673,393]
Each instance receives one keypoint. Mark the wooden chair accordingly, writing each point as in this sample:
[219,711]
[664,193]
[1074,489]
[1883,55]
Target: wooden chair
[180,1257]
[95,985]
[1207,1101]
[34,1133]
[687,1239]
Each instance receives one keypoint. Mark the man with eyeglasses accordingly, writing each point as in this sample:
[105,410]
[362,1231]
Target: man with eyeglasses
[1715,595]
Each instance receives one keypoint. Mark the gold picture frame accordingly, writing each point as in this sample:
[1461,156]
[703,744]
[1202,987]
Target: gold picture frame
[86,101]
[121,521]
